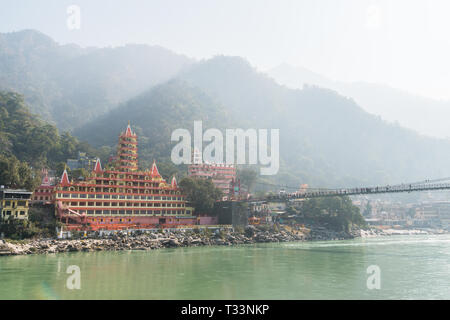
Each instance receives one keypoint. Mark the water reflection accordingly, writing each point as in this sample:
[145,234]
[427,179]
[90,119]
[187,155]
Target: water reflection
[410,268]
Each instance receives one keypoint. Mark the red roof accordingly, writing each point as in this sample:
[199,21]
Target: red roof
[174,182]
[155,171]
[128,132]
[65,179]
[98,166]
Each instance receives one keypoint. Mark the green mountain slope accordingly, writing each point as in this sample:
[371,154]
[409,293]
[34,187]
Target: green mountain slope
[28,144]
[325,139]
[68,85]
[154,115]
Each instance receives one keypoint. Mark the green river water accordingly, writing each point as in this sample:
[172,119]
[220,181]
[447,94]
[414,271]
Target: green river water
[411,267]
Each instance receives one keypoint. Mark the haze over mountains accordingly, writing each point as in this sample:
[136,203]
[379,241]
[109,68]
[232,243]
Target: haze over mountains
[69,85]
[425,115]
[326,139]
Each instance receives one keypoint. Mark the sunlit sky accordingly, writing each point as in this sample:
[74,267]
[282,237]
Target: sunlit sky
[402,43]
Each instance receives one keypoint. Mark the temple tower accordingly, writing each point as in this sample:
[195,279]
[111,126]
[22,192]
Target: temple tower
[127,151]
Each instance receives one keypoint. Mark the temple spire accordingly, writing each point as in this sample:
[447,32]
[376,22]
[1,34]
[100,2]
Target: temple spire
[98,166]
[65,178]
[128,132]
[155,171]
[174,182]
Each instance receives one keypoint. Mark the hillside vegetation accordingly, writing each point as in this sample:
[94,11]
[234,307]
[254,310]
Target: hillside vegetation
[69,85]
[325,139]
[28,144]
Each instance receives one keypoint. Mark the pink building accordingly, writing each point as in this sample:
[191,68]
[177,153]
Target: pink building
[222,175]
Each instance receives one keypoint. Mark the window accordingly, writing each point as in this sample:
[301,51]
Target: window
[22,213]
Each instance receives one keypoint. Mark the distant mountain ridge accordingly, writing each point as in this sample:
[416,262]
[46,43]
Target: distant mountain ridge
[69,85]
[325,139]
[425,115]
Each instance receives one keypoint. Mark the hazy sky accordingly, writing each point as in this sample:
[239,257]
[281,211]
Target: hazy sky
[403,43]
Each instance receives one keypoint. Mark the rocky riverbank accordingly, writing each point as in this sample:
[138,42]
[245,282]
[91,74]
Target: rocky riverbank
[375,232]
[174,239]
[150,241]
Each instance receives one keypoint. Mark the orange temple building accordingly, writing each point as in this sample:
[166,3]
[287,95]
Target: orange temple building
[121,197]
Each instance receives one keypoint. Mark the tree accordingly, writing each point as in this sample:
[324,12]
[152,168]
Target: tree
[26,138]
[368,209]
[247,177]
[17,174]
[338,212]
[201,192]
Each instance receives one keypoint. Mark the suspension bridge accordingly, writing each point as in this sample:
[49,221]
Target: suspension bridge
[307,193]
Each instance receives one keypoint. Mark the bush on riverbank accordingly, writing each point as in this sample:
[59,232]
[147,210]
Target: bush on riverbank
[337,213]
[41,224]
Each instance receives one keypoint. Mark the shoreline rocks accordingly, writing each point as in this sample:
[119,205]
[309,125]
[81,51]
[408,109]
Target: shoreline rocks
[176,239]
[148,241]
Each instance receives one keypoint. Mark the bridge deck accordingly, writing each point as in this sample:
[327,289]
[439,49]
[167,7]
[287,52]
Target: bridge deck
[360,191]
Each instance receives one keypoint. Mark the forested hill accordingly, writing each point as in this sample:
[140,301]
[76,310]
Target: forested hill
[154,115]
[68,85]
[28,144]
[325,139]
[324,136]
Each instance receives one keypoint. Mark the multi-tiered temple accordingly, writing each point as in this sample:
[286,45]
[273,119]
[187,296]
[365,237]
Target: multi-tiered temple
[122,196]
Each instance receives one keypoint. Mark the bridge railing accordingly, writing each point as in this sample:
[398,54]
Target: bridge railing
[363,190]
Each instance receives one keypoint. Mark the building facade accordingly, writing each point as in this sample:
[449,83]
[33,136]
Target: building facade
[82,162]
[44,193]
[222,175]
[14,204]
[122,197]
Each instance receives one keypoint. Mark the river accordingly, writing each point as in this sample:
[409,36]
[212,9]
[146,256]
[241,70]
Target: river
[410,267]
